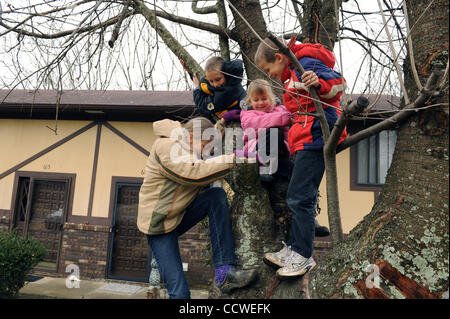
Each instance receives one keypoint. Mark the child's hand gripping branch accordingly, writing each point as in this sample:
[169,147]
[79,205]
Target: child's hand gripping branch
[309,78]
[220,90]
[193,76]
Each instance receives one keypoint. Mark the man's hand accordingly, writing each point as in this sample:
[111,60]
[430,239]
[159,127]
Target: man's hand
[309,78]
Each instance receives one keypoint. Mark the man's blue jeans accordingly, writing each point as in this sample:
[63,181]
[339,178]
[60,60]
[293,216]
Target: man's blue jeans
[307,174]
[212,203]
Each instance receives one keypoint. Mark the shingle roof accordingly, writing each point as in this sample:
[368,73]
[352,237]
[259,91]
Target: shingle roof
[116,105]
[112,104]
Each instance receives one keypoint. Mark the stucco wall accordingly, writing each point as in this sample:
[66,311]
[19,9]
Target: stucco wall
[24,138]
[119,158]
[354,205]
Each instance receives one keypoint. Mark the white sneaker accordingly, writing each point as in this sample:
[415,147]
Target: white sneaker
[279,258]
[296,265]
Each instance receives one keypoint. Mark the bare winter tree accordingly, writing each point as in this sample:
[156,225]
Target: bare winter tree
[69,37]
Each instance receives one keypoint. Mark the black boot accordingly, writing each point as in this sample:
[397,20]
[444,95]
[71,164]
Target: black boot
[237,279]
[321,231]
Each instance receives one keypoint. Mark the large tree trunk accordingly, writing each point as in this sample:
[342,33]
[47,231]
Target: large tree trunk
[248,42]
[259,212]
[404,239]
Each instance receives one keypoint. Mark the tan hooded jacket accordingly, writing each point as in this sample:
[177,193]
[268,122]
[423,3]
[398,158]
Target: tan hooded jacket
[173,178]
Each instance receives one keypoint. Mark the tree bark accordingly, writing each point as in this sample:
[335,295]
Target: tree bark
[253,229]
[248,42]
[411,256]
[168,38]
[405,236]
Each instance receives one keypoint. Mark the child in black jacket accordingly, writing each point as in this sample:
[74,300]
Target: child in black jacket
[220,90]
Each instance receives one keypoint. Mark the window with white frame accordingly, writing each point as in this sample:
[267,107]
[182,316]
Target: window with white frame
[374,156]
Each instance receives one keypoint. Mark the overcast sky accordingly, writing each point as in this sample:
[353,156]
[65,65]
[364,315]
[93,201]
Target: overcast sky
[123,69]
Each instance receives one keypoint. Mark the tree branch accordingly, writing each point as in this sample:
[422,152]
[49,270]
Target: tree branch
[65,33]
[115,33]
[167,37]
[223,40]
[410,49]
[394,120]
[195,24]
[355,107]
[369,40]
[220,11]
[204,10]
[297,11]
[391,44]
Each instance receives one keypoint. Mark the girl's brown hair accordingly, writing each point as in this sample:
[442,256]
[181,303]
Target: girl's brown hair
[260,86]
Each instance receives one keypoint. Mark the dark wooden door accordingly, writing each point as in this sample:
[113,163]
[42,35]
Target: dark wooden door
[46,218]
[22,206]
[129,258]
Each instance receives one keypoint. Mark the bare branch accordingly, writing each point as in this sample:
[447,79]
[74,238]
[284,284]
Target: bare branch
[32,15]
[368,40]
[66,33]
[297,11]
[394,120]
[204,10]
[397,66]
[194,23]
[97,4]
[116,30]
[245,20]
[168,38]
[398,55]
[410,49]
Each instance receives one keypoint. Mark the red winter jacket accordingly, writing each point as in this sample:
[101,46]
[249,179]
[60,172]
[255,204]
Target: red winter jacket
[306,134]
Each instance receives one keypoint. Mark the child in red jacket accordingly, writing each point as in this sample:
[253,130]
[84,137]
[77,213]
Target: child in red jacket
[305,141]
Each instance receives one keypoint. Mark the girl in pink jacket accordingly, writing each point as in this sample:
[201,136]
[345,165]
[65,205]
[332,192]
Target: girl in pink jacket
[262,114]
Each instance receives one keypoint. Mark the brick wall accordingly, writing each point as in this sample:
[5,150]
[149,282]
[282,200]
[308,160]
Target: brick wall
[194,251]
[87,247]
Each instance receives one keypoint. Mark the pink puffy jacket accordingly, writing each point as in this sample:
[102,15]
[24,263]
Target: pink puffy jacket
[252,119]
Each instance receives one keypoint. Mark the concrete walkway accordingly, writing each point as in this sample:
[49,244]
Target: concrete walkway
[93,289]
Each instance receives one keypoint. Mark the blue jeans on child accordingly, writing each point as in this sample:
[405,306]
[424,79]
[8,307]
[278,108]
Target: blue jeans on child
[307,174]
[212,203]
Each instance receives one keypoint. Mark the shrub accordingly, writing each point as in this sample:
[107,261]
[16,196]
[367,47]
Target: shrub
[18,256]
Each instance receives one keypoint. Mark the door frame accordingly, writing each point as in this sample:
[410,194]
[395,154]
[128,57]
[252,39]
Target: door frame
[69,179]
[117,181]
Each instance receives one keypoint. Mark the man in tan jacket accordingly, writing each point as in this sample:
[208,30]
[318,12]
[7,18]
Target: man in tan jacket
[172,200]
